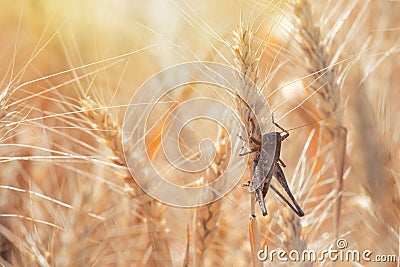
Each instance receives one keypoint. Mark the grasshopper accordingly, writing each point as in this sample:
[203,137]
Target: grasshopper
[265,165]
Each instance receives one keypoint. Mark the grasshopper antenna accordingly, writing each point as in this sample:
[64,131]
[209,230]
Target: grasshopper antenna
[314,122]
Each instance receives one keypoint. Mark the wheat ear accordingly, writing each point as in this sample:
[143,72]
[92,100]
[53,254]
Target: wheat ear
[247,61]
[210,230]
[150,210]
[324,84]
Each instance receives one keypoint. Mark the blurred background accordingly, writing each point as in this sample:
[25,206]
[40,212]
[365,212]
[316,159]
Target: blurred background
[69,68]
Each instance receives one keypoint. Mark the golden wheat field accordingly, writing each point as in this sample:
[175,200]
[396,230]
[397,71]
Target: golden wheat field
[78,152]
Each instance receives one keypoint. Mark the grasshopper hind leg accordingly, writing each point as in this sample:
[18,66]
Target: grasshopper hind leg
[282,180]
